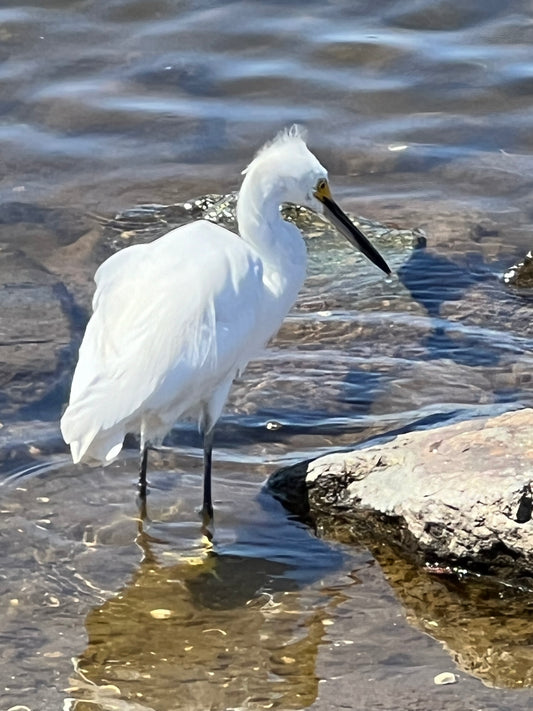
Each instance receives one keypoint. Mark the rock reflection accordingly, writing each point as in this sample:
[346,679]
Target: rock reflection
[485,627]
[212,632]
[488,634]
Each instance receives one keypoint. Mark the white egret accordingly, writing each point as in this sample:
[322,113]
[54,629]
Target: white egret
[174,321]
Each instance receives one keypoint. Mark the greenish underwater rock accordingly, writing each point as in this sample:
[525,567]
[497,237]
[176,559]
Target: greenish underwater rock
[145,222]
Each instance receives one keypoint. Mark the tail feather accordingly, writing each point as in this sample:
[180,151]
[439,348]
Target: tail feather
[87,442]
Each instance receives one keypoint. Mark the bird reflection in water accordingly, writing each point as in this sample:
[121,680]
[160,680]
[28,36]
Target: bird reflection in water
[216,630]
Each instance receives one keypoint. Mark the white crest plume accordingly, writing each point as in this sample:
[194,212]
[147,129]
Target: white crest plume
[296,132]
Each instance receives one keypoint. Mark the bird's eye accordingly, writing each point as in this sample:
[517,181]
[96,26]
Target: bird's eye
[321,185]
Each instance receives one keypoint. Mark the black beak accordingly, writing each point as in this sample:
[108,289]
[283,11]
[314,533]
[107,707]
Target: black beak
[352,233]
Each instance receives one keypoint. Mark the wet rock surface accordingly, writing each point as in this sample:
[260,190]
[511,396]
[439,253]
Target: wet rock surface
[521,274]
[41,321]
[460,493]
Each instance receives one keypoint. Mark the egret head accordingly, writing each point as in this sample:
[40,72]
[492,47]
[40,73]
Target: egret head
[286,170]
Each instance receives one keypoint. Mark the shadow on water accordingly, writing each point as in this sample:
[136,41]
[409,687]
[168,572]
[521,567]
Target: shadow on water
[434,280]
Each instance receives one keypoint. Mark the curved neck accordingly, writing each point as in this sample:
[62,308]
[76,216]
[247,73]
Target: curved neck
[278,243]
[258,214]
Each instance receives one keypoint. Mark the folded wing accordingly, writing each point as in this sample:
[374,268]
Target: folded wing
[173,321]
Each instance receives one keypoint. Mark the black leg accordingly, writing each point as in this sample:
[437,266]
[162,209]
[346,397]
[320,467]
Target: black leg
[142,482]
[207,507]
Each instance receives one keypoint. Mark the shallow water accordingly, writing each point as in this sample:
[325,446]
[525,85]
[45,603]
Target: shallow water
[422,113]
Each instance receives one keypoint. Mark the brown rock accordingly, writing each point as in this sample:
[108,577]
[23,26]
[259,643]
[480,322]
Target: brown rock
[461,493]
[521,274]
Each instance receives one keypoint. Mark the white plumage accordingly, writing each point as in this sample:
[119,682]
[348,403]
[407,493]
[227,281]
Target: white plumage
[175,320]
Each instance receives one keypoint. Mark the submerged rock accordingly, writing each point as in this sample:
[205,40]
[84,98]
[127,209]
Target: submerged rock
[461,493]
[35,334]
[145,222]
[40,320]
